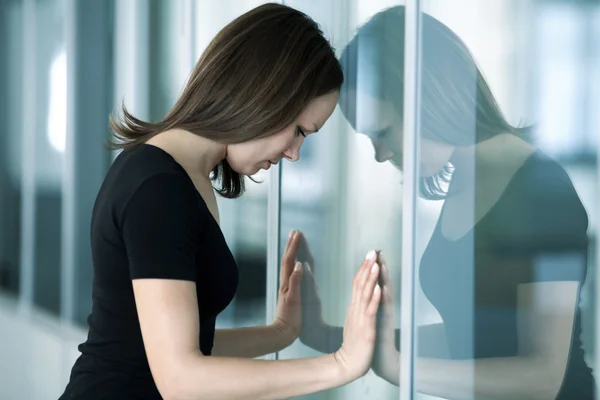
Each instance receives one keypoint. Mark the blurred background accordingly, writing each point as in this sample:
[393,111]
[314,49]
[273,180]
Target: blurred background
[65,65]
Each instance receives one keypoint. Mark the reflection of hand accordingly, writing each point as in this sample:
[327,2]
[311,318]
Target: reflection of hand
[304,254]
[312,318]
[288,319]
[386,360]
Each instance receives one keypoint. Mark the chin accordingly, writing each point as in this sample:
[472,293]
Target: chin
[251,170]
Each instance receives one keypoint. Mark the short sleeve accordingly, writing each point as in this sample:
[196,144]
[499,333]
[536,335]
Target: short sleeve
[547,233]
[161,229]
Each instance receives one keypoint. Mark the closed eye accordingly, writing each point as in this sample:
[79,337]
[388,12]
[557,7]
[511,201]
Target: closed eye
[380,133]
[299,132]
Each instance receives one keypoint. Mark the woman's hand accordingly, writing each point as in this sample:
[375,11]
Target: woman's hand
[288,319]
[386,361]
[356,354]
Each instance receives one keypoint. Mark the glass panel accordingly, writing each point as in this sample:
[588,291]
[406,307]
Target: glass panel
[50,128]
[11,78]
[344,201]
[508,165]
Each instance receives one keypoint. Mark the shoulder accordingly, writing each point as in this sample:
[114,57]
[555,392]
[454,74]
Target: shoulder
[166,198]
[146,179]
[542,206]
[547,189]
[135,165]
[165,186]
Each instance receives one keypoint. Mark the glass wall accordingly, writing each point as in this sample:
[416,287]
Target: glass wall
[504,306]
[10,145]
[491,270]
[49,138]
[343,201]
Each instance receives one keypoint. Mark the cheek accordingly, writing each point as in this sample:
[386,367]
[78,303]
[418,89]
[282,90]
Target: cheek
[281,144]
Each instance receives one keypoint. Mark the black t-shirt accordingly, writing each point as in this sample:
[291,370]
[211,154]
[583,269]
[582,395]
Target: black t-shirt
[149,221]
[536,232]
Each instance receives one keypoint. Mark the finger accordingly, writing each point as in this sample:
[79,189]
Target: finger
[292,247]
[366,270]
[309,278]
[386,296]
[361,276]
[373,305]
[385,278]
[287,245]
[370,284]
[289,257]
[282,272]
[380,258]
[296,282]
[357,276]
[304,250]
[363,272]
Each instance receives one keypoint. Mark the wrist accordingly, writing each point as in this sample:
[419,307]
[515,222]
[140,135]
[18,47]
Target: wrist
[386,365]
[284,332]
[340,374]
[348,372]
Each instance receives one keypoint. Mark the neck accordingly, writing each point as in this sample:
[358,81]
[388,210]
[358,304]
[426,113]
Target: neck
[487,157]
[196,154]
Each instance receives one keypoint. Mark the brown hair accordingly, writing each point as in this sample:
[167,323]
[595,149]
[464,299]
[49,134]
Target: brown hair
[457,105]
[253,80]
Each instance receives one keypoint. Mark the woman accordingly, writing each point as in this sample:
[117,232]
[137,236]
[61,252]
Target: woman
[162,269]
[506,261]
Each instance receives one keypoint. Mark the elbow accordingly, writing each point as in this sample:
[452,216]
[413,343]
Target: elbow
[174,388]
[168,387]
[174,382]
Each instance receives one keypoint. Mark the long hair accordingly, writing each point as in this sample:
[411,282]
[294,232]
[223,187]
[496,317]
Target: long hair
[457,105]
[253,80]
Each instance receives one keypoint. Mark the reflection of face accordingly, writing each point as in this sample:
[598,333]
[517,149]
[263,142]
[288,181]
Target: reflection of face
[248,158]
[378,120]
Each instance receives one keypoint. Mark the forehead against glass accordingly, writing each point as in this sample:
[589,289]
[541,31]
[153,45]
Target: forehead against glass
[372,115]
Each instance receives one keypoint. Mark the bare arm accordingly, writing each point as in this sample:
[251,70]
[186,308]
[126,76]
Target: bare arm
[545,328]
[170,327]
[252,342]
[168,314]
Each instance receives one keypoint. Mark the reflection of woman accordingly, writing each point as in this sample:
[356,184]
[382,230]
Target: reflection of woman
[162,269]
[507,258]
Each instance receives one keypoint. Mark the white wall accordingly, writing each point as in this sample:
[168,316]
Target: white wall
[36,353]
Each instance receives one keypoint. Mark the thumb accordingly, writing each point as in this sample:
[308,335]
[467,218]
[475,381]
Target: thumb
[296,281]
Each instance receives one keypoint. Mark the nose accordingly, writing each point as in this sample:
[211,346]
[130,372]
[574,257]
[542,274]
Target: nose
[382,152]
[292,153]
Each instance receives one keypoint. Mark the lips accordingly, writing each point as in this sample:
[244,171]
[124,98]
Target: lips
[269,163]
